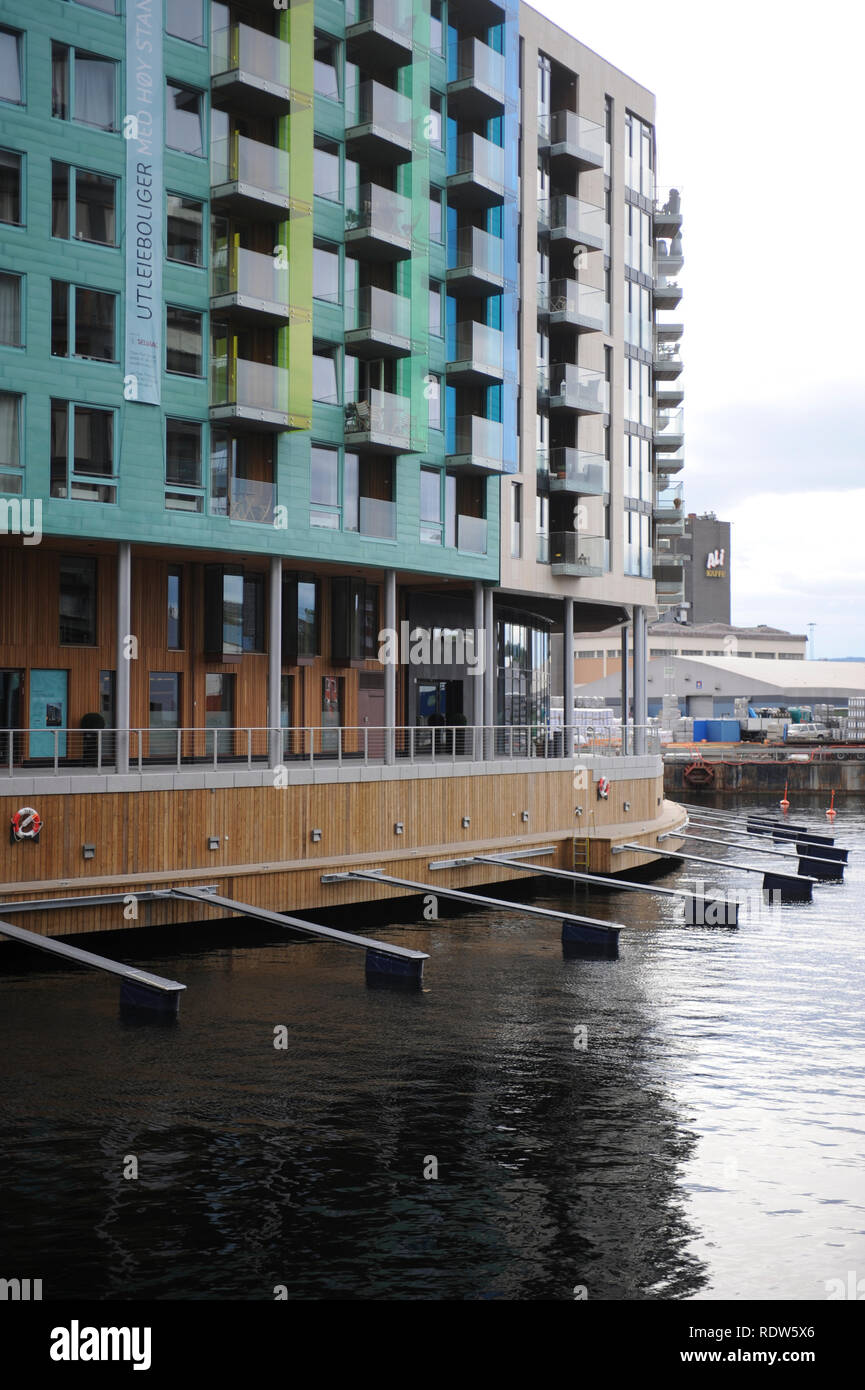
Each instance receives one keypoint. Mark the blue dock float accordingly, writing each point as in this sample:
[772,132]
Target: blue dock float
[582,939]
[827,870]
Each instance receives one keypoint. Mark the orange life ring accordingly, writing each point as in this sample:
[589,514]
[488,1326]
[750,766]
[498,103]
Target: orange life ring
[26,823]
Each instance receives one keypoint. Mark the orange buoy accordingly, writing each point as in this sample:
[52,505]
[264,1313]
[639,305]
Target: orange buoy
[785,805]
[831,813]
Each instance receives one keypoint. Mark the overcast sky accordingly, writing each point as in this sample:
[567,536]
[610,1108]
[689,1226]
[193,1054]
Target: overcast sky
[761,124]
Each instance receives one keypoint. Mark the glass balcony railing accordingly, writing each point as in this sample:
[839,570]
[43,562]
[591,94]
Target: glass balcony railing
[670,499]
[668,207]
[379,312]
[672,462]
[249,274]
[235,381]
[470,59]
[238,159]
[394,15]
[371,103]
[668,325]
[478,250]
[472,154]
[473,435]
[669,422]
[578,133]
[379,413]
[579,555]
[542,548]
[478,344]
[579,221]
[667,357]
[575,470]
[380,211]
[472,534]
[239,48]
[578,303]
[249,500]
[580,388]
[377,518]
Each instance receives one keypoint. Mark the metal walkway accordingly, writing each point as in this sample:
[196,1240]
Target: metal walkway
[793,888]
[816,865]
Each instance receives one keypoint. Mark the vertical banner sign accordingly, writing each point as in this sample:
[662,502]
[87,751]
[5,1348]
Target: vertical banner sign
[143,127]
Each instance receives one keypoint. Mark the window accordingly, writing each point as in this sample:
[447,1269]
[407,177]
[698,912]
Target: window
[184,239]
[242,472]
[436,220]
[106,6]
[516,520]
[324,487]
[10,441]
[233,610]
[435,309]
[354,620]
[326,67]
[10,187]
[94,197]
[436,29]
[325,272]
[173,614]
[11,84]
[437,111]
[77,601]
[325,171]
[83,87]
[433,392]
[184,130]
[82,322]
[183,466]
[431,506]
[10,310]
[183,341]
[184,19]
[253,612]
[164,712]
[325,387]
[82,452]
[301,618]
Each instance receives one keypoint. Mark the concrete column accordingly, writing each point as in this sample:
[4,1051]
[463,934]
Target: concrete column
[123,658]
[390,669]
[479,681]
[274,663]
[568,677]
[489,673]
[626,688]
[641,689]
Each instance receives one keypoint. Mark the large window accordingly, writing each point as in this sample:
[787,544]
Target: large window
[325,387]
[325,174]
[354,620]
[184,241]
[326,67]
[82,322]
[94,198]
[301,618]
[11,201]
[11,80]
[183,341]
[325,272]
[77,601]
[183,451]
[174,610]
[184,19]
[83,87]
[639,156]
[233,610]
[10,310]
[184,126]
[523,674]
[10,442]
[431,506]
[82,452]
[324,487]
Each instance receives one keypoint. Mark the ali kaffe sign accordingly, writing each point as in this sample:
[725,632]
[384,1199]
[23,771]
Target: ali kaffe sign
[143,127]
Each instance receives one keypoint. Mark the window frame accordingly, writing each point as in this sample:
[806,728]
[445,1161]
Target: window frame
[180,86]
[72,56]
[202,316]
[202,203]
[72,290]
[73,170]
[18,35]
[105,480]
[14,471]
[22,315]
[20,155]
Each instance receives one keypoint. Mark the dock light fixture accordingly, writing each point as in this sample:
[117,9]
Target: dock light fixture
[88,851]
[466,822]
[627,805]
[399,828]
[315,836]
[213,842]
[525,816]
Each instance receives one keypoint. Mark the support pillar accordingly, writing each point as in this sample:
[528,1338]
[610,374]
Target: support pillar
[479,678]
[641,689]
[626,688]
[489,632]
[274,663]
[390,669]
[124,654]
[568,678]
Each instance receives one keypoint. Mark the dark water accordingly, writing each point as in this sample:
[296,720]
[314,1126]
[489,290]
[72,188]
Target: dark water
[707,1143]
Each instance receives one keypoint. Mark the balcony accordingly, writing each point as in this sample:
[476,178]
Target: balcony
[476,446]
[667,361]
[667,216]
[668,328]
[666,464]
[670,593]
[250,71]
[378,125]
[377,518]
[476,172]
[248,178]
[380,422]
[248,394]
[378,32]
[571,304]
[573,220]
[576,139]
[247,500]
[578,556]
[378,224]
[476,80]
[475,354]
[377,323]
[472,534]
[669,503]
[479,262]
[668,396]
[578,472]
[666,290]
[578,389]
[250,286]
[669,429]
